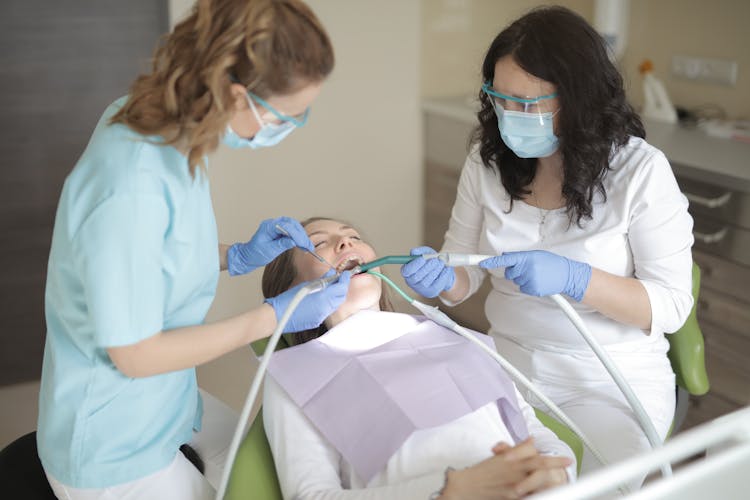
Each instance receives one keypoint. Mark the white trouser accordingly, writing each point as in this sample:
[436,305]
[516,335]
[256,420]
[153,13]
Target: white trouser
[583,389]
[180,480]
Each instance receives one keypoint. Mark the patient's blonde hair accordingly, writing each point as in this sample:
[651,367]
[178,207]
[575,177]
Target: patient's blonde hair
[279,276]
[270,46]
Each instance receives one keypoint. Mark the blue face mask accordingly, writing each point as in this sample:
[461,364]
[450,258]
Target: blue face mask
[270,134]
[528,135]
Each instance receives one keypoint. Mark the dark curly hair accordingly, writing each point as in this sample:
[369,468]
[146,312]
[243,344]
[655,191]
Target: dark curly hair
[560,47]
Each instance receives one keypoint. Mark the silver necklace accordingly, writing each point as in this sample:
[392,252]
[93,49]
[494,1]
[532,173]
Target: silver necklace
[542,215]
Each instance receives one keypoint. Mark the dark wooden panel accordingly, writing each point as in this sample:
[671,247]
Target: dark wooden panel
[61,63]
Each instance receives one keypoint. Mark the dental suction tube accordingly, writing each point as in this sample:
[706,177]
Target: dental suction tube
[646,424]
[240,430]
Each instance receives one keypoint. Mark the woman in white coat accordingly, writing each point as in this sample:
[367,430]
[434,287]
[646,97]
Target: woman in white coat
[561,186]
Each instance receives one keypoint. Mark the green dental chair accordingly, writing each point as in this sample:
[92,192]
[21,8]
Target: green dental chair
[687,355]
[254,473]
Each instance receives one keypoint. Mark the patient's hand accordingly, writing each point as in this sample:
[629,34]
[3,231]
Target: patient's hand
[513,472]
[539,478]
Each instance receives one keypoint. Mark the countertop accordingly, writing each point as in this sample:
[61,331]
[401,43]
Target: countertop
[691,152]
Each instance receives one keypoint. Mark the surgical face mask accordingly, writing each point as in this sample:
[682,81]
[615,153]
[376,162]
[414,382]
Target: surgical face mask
[528,135]
[269,134]
[525,125]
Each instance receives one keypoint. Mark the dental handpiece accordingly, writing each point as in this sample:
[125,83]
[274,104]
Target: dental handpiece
[321,283]
[450,259]
[458,259]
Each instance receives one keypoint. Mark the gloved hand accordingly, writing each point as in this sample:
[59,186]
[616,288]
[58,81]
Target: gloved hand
[543,273]
[314,308]
[428,277]
[266,244]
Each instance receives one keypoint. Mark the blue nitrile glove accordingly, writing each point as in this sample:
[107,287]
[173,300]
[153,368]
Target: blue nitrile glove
[314,308]
[266,244]
[428,277]
[542,273]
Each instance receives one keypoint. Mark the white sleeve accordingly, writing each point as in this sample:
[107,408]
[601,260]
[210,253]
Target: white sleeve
[308,467]
[660,237]
[465,226]
[545,440]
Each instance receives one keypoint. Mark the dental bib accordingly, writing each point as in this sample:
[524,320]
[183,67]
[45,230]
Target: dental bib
[377,377]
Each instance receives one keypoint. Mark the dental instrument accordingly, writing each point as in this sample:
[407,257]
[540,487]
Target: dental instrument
[458,259]
[450,259]
[239,432]
[311,252]
[389,259]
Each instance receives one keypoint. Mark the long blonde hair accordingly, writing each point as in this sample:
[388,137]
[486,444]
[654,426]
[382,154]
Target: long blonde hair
[270,46]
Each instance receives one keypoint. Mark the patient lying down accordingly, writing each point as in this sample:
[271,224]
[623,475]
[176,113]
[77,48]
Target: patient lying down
[377,404]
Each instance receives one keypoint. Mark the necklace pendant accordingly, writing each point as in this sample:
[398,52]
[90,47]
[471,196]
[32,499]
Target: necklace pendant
[542,219]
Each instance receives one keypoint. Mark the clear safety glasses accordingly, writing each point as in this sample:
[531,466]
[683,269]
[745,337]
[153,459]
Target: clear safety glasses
[536,105]
[297,120]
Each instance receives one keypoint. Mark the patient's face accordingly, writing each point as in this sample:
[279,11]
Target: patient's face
[342,246]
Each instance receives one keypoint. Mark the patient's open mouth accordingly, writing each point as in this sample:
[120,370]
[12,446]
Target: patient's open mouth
[349,263]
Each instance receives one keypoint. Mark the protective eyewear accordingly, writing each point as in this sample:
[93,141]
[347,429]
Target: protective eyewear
[297,120]
[524,105]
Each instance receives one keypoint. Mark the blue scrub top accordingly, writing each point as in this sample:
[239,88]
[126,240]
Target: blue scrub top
[134,252]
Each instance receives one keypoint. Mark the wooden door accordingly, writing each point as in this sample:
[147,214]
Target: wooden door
[61,64]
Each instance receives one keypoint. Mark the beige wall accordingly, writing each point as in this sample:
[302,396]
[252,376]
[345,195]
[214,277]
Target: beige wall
[456,33]
[358,157]
[715,29]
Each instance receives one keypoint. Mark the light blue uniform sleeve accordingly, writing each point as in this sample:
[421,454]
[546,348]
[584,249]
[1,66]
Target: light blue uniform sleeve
[119,256]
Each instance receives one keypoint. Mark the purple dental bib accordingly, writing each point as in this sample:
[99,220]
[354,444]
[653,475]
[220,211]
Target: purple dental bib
[375,378]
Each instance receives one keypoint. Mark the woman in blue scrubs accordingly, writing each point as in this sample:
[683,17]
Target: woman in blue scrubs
[135,258]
